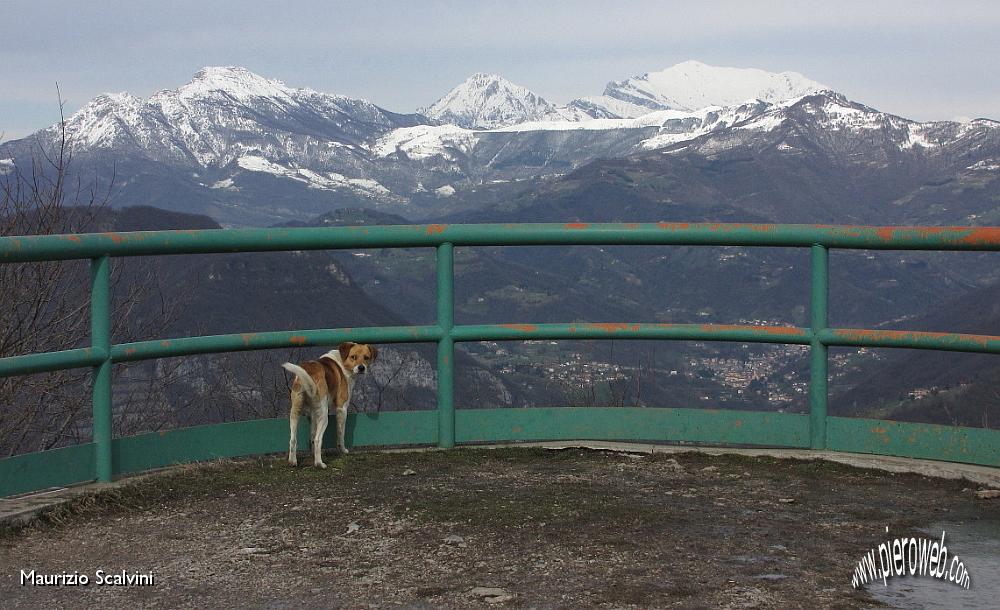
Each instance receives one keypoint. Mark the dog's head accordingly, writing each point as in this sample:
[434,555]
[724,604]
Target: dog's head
[357,357]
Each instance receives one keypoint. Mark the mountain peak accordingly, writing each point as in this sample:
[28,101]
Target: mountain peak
[487,101]
[692,85]
[233,80]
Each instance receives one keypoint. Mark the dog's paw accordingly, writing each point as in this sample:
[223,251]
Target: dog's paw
[293,462]
[319,465]
[344,450]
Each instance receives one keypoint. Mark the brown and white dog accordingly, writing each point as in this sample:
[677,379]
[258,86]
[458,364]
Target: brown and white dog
[318,383]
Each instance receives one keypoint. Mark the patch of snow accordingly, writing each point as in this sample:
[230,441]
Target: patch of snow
[986,165]
[6,166]
[917,137]
[223,184]
[445,191]
[426,141]
[314,179]
[254,163]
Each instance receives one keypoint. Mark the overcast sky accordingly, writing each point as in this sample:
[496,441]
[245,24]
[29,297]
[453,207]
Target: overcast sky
[922,60]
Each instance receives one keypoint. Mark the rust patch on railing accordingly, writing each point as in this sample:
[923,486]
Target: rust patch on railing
[73,238]
[674,226]
[297,340]
[164,343]
[883,433]
[613,327]
[526,328]
[982,236]
[761,330]
[860,334]
[130,351]
[432,229]
[576,225]
[118,239]
[248,337]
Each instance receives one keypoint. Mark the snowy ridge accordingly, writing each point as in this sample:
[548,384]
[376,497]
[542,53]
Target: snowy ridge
[236,133]
[692,85]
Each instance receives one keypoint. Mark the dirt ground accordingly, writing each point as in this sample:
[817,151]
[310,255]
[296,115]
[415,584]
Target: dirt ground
[546,529]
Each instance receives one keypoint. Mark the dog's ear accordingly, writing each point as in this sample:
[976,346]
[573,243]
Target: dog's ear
[345,349]
[374,351]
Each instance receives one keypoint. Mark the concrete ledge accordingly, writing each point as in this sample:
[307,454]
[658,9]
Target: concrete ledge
[983,475]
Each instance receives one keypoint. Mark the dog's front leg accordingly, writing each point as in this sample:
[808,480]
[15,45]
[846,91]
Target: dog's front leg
[341,425]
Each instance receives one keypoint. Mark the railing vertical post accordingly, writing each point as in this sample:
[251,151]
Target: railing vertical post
[100,339]
[818,320]
[446,345]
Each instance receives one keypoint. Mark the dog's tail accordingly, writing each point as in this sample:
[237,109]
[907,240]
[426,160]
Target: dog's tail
[308,385]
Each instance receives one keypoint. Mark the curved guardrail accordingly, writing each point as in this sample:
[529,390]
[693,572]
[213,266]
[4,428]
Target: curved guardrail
[106,457]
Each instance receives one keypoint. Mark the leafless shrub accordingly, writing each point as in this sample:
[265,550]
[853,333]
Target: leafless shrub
[47,304]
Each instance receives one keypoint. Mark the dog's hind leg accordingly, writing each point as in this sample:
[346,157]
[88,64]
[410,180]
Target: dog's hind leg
[293,425]
[320,420]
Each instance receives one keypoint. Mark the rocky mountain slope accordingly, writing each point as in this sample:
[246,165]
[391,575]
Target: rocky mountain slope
[247,150]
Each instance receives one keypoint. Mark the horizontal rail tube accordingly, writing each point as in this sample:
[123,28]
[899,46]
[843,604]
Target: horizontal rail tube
[618,330]
[51,361]
[185,346]
[956,342]
[144,243]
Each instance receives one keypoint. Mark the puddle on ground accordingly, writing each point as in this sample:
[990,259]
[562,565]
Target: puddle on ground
[977,544]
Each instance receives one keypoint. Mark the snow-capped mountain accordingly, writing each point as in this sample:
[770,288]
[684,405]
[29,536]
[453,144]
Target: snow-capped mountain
[223,112]
[488,101]
[249,150]
[692,85]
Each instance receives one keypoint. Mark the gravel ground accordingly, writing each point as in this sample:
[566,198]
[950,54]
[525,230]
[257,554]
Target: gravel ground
[481,528]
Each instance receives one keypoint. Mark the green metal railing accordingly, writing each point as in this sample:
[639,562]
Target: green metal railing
[105,457]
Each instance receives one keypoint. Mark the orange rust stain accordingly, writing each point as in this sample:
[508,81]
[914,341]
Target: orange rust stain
[73,238]
[130,351]
[631,225]
[163,432]
[765,330]
[116,238]
[738,423]
[576,225]
[164,343]
[880,335]
[432,229]
[982,236]
[673,226]
[297,340]
[613,327]
[248,337]
[885,233]
[528,328]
